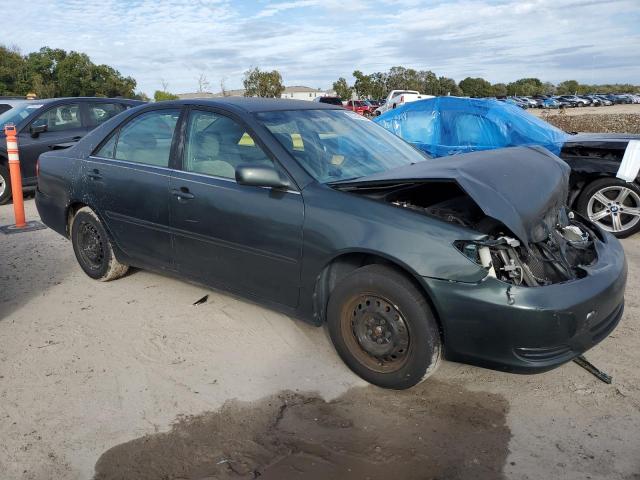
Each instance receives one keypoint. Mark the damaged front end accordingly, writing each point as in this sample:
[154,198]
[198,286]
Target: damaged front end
[515,198]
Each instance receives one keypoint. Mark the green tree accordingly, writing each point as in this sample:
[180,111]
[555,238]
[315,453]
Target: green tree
[499,90]
[342,89]
[57,73]
[525,86]
[363,85]
[448,86]
[476,87]
[262,84]
[568,87]
[161,95]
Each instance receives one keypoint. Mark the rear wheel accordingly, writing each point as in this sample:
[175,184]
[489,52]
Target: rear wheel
[613,204]
[5,185]
[383,328]
[93,247]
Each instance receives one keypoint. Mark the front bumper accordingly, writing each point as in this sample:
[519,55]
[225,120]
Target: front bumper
[531,329]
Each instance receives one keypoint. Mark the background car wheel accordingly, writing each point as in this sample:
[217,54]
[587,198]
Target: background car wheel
[5,185]
[93,248]
[613,204]
[383,328]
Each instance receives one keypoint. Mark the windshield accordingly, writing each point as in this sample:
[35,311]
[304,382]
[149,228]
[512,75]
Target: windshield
[18,113]
[335,145]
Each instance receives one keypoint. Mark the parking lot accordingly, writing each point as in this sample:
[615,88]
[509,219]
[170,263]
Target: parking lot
[131,376]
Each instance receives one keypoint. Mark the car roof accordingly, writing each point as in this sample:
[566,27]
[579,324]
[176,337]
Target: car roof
[256,104]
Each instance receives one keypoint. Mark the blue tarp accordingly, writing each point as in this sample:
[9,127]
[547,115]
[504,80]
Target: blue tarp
[449,125]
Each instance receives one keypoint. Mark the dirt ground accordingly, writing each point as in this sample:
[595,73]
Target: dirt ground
[610,110]
[612,119]
[129,380]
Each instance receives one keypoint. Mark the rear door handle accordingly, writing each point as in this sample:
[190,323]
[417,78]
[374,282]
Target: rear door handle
[182,193]
[76,138]
[94,174]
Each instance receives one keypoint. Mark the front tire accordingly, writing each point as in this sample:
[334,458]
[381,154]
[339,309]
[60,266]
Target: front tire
[5,185]
[613,204]
[383,328]
[93,249]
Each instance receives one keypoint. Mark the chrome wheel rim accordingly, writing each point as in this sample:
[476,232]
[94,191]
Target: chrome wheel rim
[615,209]
[3,185]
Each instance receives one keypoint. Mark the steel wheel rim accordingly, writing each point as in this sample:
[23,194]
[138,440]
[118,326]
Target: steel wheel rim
[90,246]
[615,209]
[3,185]
[376,332]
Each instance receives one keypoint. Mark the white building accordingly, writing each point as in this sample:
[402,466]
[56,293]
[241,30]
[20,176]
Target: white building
[299,92]
[296,93]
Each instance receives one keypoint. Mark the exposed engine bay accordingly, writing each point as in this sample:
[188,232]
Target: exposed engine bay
[566,246]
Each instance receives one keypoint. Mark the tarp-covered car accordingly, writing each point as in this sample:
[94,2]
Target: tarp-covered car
[604,167]
[321,213]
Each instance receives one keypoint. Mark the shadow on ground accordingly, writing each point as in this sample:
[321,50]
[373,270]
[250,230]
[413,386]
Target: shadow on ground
[30,263]
[434,431]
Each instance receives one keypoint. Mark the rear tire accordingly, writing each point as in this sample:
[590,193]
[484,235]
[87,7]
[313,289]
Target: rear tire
[5,185]
[383,328]
[613,204]
[93,248]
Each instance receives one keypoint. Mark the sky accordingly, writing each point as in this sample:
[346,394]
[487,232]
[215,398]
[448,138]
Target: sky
[313,42]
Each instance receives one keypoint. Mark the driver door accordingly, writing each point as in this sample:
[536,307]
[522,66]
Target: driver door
[245,238]
[64,124]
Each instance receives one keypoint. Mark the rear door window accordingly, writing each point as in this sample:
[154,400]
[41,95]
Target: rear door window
[146,139]
[101,112]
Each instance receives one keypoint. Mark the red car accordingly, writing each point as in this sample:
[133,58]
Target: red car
[358,106]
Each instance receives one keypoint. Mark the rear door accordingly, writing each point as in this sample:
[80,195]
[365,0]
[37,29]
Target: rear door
[64,123]
[127,181]
[248,239]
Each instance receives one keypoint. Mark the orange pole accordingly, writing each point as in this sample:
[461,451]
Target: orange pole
[16,176]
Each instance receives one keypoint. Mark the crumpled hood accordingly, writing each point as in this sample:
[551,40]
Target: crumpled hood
[522,187]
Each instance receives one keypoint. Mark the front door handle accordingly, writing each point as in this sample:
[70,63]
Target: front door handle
[182,193]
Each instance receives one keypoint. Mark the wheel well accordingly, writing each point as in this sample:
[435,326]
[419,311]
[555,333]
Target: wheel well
[71,212]
[580,183]
[341,266]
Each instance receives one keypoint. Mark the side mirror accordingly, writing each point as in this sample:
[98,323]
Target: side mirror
[260,176]
[36,130]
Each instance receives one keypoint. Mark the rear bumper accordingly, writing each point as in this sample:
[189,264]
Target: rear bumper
[52,214]
[531,329]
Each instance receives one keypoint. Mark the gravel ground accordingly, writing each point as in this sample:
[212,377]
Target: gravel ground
[129,380]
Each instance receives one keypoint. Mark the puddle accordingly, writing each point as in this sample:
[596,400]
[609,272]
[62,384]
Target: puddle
[433,431]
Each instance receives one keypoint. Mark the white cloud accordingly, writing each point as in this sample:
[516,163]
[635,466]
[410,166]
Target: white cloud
[314,42]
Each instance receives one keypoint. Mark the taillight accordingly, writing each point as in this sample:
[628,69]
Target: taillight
[402,99]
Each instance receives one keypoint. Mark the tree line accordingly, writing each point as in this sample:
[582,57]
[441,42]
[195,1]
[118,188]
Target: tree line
[53,72]
[379,84]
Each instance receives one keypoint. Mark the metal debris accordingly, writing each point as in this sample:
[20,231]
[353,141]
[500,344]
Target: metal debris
[201,300]
[589,367]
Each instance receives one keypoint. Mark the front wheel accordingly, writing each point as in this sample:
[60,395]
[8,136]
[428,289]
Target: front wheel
[93,248]
[5,185]
[613,204]
[383,328]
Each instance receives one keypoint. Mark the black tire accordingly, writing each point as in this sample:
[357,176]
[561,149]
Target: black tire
[5,180]
[92,247]
[377,297]
[608,187]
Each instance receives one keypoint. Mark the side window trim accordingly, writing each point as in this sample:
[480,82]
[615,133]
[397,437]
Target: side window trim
[57,105]
[116,132]
[180,157]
